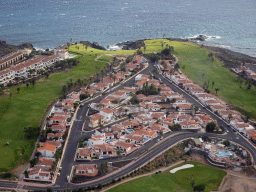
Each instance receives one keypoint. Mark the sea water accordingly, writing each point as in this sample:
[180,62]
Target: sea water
[50,23]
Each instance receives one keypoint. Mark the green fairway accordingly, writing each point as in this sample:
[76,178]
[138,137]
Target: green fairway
[210,176]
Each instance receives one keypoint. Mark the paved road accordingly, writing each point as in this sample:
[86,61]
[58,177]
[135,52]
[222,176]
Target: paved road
[77,134]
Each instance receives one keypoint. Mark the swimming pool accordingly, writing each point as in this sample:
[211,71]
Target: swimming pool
[72,56]
[223,153]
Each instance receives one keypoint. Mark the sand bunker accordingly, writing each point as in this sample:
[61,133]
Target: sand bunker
[182,167]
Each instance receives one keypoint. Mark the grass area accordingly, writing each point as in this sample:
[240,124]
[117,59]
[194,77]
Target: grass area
[28,107]
[210,176]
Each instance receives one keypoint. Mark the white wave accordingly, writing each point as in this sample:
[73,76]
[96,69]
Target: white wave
[125,3]
[39,49]
[62,14]
[12,14]
[114,47]
[84,16]
[208,36]
[225,46]
[1,25]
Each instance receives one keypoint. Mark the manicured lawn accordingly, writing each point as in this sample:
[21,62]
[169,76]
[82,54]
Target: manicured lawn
[210,176]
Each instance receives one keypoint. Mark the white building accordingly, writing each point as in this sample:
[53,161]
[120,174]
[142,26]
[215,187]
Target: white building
[62,53]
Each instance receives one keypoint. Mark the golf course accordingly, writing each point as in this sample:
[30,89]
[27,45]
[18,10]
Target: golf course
[182,180]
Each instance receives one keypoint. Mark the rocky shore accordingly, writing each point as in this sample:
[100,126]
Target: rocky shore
[7,48]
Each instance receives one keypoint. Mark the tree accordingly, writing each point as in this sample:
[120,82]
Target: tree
[226,143]
[210,127]
[213,84]
[33,81]
[103,168]
[10,94]
[129,116]
[49,189]
[47,74]
[217,89]
[18,89]
[167,113]
[230,116]
[164,36]
[27,84]
[26,174]
[64,89]
[144,48]
[199,188]
[38,154]
[33,162]
[192,184]
[118,152]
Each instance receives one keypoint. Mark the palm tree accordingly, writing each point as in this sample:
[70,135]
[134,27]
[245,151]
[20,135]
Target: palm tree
[107,47]
[71,41]
[68,44]
[18,89]
[213,84]
[217,89]
[144,48]
[27,84]
[164,36]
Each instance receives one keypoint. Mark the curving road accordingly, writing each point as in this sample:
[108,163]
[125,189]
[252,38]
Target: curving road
[77,134]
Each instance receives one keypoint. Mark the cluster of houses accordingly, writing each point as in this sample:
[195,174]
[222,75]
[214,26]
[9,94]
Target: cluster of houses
[9,71]
[210,101]
[58,122]
[245,71]
[152,120]
[26,68]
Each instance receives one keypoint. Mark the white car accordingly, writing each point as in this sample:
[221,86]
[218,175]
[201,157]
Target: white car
[58,174]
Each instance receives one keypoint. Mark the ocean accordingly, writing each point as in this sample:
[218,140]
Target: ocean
[50,23]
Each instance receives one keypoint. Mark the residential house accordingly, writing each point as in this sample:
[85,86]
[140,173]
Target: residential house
[96,120]
[104,150]
[124,146]
[107,114]
[39,174]
[204,119]
[45,163]
[85,154]
[89,170]
[190,125]
[47,150]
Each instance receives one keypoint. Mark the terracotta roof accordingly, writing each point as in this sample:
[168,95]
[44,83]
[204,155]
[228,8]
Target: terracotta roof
[45,161]
[86,166]
[47,147]
[85,152]
[106,110]
[50,58]
[96,117]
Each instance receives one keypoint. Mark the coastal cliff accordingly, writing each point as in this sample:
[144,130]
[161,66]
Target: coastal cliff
[7,48]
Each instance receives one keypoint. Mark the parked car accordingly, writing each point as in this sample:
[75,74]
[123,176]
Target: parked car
[157,140]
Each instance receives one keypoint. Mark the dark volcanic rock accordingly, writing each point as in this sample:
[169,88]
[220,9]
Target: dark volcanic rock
[6,48]
[131,45]
[199,37]
[93,45]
